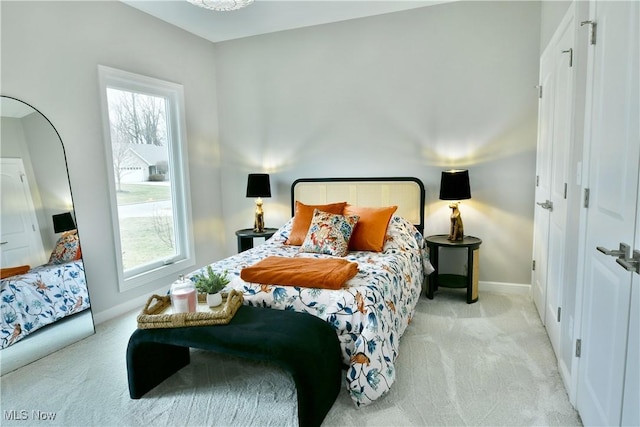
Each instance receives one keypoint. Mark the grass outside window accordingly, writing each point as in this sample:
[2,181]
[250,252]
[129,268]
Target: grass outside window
[141,243]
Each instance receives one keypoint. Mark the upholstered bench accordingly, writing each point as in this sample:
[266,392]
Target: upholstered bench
[302,344]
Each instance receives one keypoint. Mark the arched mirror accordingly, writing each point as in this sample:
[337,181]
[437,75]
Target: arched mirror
[44,300]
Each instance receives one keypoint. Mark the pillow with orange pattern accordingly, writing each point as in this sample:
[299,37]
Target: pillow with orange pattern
[67,249]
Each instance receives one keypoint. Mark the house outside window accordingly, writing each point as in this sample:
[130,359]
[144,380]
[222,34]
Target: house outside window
[144,140]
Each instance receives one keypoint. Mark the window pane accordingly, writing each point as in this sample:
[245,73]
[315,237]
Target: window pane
[142,170]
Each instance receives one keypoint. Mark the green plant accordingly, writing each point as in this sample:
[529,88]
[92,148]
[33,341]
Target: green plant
[211,282]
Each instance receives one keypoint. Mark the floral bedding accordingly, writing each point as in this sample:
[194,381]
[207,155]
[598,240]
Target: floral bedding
[369,314]
[40,297]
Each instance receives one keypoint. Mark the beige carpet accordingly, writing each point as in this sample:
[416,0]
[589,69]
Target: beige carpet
[488,363]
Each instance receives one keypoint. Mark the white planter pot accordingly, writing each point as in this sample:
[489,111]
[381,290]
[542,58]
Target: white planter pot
[214,300]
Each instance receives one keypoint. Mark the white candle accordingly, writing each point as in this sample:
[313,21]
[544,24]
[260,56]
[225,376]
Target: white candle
[184,300]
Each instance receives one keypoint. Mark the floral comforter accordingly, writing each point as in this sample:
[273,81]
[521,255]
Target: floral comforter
[369,314]
[40,297]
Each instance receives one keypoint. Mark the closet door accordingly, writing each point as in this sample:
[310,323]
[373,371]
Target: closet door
[554,143]
[631,395]
[543,183]
[613,142]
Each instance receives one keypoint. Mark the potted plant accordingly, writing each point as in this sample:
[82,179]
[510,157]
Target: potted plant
[211,284]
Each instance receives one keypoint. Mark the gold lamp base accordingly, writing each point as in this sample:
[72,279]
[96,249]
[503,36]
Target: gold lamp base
[258,222]
[456,233]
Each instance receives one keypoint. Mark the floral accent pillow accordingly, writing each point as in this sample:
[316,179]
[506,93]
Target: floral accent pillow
[329,233]
[67,249]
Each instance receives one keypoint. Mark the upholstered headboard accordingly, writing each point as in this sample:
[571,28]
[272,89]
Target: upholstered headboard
[405,192]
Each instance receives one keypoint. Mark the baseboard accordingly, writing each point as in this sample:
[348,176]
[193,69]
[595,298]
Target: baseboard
[505,288]
[119,310]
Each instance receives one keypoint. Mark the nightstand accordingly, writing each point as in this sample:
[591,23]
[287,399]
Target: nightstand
[246,236]
[470,281]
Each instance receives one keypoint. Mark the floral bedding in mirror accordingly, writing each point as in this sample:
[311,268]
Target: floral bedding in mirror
[44,300]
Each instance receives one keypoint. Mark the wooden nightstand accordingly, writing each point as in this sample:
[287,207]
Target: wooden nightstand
[246,236]
[470,281]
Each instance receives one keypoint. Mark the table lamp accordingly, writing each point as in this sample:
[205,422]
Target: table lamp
[258,186]
[454,185]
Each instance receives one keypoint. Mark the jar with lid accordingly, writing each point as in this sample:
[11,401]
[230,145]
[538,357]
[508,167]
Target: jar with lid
[183,296]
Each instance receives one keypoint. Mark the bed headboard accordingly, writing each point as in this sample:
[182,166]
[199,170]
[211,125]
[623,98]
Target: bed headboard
[405,192]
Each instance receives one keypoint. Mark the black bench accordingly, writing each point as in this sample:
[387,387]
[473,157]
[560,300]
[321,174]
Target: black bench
[302,344]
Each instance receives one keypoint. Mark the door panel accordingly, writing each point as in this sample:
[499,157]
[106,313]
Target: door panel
[631,408]
[543,185]
[562,137]
[20,234]
[614,144]
[554,143]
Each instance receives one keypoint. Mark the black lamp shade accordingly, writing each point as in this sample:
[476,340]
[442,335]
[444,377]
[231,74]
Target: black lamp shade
[258,185]
[454,185]
[63,222]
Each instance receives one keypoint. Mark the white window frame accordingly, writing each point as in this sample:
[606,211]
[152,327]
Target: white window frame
[113,78]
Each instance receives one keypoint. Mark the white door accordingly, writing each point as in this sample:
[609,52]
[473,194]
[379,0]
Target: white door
[555,136]
[562,137]
[543,185]
[613,136]
[19,230]
[631,395]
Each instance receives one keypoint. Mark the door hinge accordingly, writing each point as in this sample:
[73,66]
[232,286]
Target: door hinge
[539,87]
[533,265]
[558,316]
[594,26]
[586,197]
[578,347]
[565,190]
[570,52]
[537,180]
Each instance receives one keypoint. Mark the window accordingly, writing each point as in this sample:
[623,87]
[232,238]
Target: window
[144,140]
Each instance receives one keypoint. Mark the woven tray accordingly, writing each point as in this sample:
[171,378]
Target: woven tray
[157,312]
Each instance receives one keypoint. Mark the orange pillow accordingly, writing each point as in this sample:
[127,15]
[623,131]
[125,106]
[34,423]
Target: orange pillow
[371,228]
[13,271]
[302,220]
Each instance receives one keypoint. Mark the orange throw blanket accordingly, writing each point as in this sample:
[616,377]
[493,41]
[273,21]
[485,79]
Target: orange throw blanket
[325,273]
[13,271]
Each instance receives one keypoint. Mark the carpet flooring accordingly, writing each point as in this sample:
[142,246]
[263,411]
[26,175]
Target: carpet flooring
[483,364]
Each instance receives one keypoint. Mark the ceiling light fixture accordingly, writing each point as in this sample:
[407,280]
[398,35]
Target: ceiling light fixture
[221,5]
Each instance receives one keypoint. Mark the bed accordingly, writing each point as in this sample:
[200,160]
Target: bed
[371,310]
[40,297]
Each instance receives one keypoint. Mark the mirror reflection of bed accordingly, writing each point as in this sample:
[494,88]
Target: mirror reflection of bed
[44,301]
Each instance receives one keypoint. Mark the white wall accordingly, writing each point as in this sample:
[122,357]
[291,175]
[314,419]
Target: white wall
[551,13]
[50,54]
[409,93]
[50,170]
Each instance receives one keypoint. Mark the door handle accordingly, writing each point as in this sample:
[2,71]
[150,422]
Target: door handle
[622,253]
[631,264]
[547,204]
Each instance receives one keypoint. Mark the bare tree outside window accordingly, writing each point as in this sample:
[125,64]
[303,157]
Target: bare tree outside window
[122,156]
[137,118]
